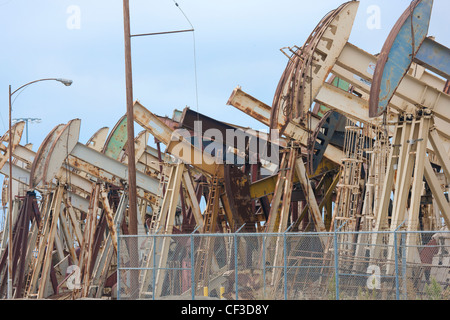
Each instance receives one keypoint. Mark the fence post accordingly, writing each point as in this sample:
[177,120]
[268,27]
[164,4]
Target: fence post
[336,262]
[405,293]
[236,261]
[118,260]
[285,261]
[264,265]
[336,257]
[397,293]
[154,267]
[193,264]
[397,289]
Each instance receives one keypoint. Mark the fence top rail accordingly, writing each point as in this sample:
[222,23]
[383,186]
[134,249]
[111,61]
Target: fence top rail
[289,234]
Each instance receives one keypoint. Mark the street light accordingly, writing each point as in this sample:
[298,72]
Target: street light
[66,82]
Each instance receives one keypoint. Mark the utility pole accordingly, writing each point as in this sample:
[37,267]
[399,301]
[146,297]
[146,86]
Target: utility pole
[10,201]
[132,198]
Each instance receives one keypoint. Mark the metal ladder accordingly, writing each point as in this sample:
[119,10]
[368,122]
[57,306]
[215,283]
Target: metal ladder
[203,256]
[163,181]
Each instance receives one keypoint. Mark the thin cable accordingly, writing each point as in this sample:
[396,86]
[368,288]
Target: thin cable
[195,52]
[183,13]
[195,71]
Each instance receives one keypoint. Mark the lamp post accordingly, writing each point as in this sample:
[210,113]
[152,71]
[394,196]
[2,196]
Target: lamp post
[66,82]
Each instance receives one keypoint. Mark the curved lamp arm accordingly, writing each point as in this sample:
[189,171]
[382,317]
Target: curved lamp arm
[66,82]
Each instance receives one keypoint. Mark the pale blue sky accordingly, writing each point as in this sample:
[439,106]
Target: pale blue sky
[237,43]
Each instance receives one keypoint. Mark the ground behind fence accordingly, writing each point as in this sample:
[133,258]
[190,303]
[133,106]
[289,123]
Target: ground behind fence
[286,266]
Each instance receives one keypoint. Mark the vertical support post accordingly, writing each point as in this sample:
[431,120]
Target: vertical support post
[285,260]
[405,294]
[193,263]
[397,288]
[10,242]
[132,202]
[285,265]
[397,291]
[236,262]
[336,261]
[336,256]
[118,260]
[264,265]
[154,266]
[130,121]
[236,267]
[192,267]
[26,124]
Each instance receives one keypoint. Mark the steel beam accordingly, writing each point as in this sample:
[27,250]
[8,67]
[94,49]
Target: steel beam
[435,57]
[410,89]
[258,110]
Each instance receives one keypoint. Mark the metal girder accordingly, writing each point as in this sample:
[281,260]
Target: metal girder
[308,190]
[237,188]
[192,199]
[354,66]
[106,168]
[237,145]
[435,186]
[250,105]
[49,241]
[167,217]
[176,144]
[435,57]
[17,131]
[152,123]
[345,103]
[61,145]
[412,90]
[22,175]
[140,147]
[437,143]
[185,151]
[164,218]
[258,110]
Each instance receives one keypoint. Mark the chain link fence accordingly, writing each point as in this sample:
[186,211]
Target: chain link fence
[288,266]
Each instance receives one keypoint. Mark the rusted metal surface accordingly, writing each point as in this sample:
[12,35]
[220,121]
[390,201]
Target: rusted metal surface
[397,54]
[60,150]
[321,137]
[310,65]
[16,134]
[117,139]
[338,166]
[97,141]
[37,169]
[237,187]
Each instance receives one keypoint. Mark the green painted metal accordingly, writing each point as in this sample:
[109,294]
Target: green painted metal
[339,83]
[117,139]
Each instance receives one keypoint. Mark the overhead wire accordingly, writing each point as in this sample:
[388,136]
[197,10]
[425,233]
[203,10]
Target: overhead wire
[195,74]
